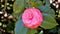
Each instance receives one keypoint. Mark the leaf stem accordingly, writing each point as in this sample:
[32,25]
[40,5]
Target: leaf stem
[5,5]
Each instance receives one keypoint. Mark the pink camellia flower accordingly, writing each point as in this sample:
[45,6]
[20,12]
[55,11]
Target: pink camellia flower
[32,18]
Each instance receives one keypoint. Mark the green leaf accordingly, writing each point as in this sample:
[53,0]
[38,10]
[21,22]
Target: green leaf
[47,3]
[31,31]
[21,29]
[49,22]
[36,3]
[41,32]
[10,27]
[48,17]
[59,31]
[46,9]
[18,7]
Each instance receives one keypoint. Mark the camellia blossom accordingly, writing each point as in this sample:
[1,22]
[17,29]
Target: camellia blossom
[32,18]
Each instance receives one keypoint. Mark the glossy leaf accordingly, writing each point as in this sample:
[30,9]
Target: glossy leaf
[59,31]
[41,32]
[35,3]
[31,31]
[49,17]
[21,29]
[49,22]
[18,8]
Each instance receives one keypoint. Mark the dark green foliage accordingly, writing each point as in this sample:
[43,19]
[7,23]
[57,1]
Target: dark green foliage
[50,24]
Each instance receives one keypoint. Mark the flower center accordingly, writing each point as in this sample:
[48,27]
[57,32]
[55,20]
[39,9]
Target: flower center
[30,16]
